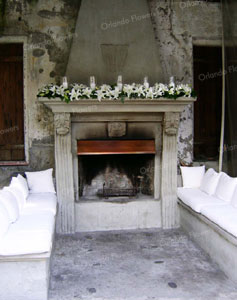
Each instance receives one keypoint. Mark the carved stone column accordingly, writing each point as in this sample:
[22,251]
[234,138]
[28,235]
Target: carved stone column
[64,173]
[170,217]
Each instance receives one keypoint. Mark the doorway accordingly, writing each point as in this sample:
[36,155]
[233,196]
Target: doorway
[207,108]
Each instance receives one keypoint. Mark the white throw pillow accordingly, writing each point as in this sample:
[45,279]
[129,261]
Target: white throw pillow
[210,181]
[192,176]
[17,192]
[225,188]
[4,220]
[41,181]
[234,198]
[21,183]
[10,203]
[24,185]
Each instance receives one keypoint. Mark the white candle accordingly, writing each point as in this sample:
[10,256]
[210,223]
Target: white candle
[119,82]
[65,83]
[92,82]
[172,80]
[146,83]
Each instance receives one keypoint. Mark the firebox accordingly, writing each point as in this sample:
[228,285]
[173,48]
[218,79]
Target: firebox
[116,170]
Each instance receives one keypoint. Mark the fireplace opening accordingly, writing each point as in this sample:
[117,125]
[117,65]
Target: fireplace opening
[118,177]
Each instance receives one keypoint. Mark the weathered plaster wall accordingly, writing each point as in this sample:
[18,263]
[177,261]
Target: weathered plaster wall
[49,28]
[178,25]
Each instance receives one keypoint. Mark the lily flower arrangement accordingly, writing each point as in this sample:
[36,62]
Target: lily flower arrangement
[76,92]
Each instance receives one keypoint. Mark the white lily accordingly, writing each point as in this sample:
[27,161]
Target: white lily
[159,92]
[87,92]
[187,90]
[149,93]
[100,94]
[114,94]
[60,90]
[53,89]
[75,94]
[140,90]
[171,91]
[76,86]
[105,87]
[128,89]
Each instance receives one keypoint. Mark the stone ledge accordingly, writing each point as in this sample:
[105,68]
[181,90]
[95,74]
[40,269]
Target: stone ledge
[225,234]
[107,106]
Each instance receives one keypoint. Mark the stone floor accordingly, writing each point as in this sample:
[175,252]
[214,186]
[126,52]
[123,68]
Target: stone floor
[135,265]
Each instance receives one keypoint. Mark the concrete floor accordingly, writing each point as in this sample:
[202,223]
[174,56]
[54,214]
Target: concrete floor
[135,265]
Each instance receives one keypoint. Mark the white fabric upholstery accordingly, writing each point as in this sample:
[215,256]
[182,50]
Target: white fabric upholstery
[192,176]
[25,242]
[16,191]
[19,183]
[24,185]
[196,199]
[225,188]
[210,181]
[4,221]
[225,216]
[32,233]
[41,181]
[10,203]
[233,201]
[35,222]
[41,202]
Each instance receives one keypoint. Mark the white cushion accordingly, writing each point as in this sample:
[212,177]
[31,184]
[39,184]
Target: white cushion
[10,203]
[196,199]
[17,192]
[27,242]
[233,201]
[225,188]
[4,221]
[225,216]
[210,181]
[20,183]
[24,185]
[41,202]
[41,181]
[192,176]
[35,222]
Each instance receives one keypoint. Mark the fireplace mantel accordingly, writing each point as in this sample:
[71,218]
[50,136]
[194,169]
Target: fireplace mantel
[169,114]
[108,106]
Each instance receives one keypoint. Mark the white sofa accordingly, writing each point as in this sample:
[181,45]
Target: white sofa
[208,213]
[27,224]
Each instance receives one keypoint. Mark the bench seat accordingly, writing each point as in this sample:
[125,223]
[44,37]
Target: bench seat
[208,214]
[224,216]
[26,248]
[42,202]
[196,199]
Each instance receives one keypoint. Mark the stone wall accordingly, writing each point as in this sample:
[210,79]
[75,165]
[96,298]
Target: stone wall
[49,28]
[178,25]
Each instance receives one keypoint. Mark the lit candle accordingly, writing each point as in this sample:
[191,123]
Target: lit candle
[119,82]
[146,83]
[65,83]
[92,82]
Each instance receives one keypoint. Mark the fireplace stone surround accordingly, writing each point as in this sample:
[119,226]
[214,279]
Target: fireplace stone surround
[156,119]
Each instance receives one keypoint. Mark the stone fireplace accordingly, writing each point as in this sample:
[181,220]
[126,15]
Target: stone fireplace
[116,163]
